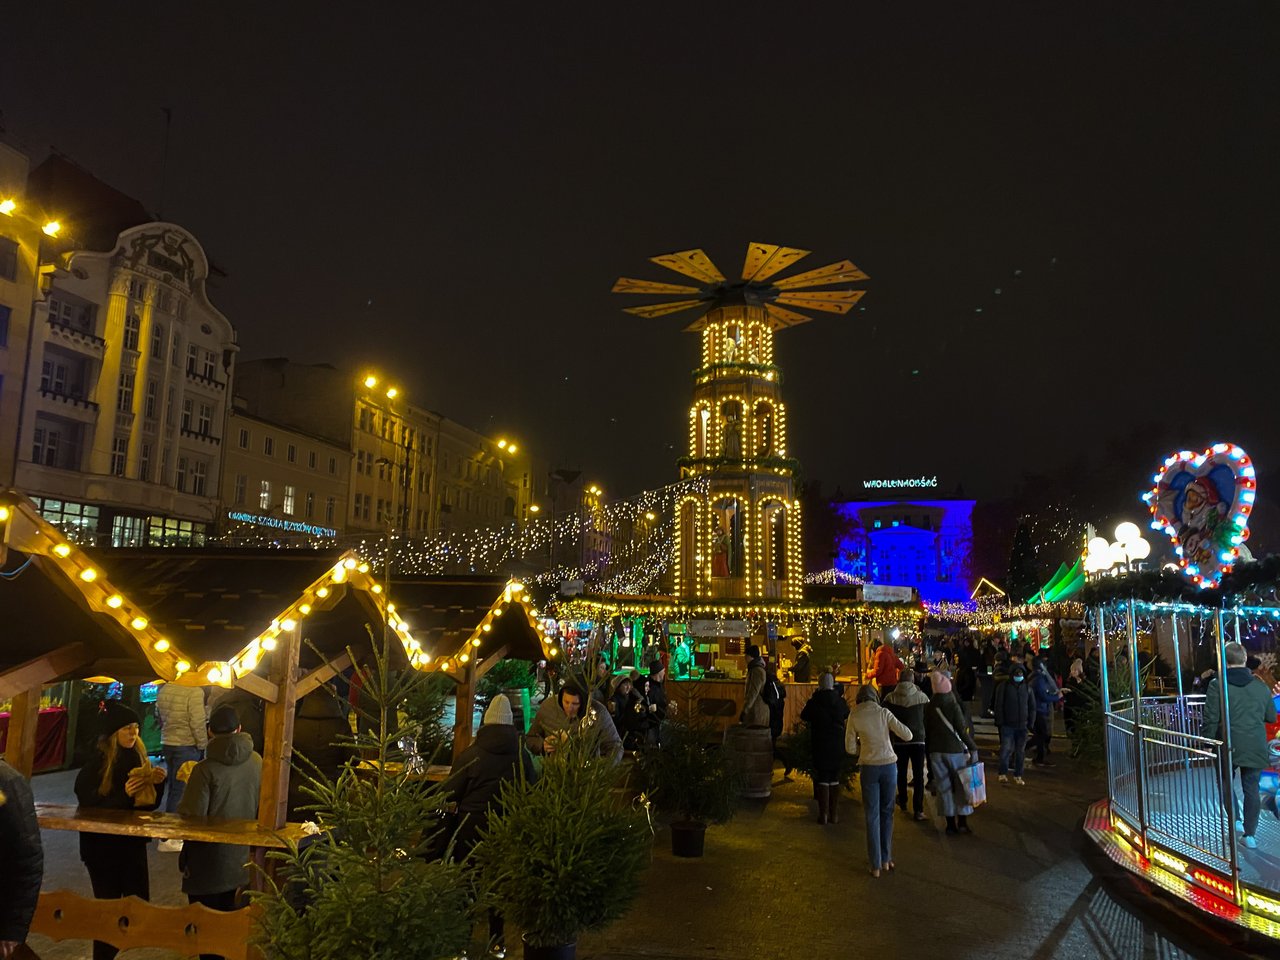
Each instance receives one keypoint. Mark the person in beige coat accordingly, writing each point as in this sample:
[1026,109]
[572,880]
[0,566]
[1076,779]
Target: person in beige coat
[755,712]
[867,735]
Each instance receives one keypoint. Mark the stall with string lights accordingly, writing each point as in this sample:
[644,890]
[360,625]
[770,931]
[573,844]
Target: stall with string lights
[1172,808]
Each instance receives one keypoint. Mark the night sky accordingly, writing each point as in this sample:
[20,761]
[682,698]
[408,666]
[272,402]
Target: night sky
[1068,216]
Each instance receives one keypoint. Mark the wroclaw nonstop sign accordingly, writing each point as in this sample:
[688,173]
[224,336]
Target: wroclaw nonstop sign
[289,526]
[901,484]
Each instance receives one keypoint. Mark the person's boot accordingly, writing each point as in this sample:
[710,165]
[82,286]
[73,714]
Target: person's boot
[833,803]
[824,802]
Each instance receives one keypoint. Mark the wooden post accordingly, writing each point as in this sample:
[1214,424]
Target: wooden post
[464,707]
[20,748]
[277,738]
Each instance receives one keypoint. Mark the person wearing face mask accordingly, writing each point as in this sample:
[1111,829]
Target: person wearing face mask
[1014,707]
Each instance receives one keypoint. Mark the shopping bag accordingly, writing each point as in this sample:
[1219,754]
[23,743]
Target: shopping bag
[973,782]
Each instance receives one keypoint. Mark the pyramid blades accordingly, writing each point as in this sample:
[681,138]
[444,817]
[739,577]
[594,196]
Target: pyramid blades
[662,309]
[628,285]
[766,259]
[842,272]
[784,317]
[838,301]
[692,263]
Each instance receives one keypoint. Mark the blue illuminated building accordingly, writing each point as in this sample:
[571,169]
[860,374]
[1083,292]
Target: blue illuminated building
[924,544]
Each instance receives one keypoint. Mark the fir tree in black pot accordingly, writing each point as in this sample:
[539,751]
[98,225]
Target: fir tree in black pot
[690,782]
[562,856]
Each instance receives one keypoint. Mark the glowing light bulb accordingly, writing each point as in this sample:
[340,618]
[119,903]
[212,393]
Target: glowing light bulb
[139,623]
[475,642]
[214,675]
[181,667]
[268,643]
[349,563]
[289,624]
[371,382]
[62,550]
[52,228]
[114,601]
[322,592]
[304,608]
[160,646]
[88,574]
[4,514]
[7,206]
[392,392]
[363,568]
[376,588]
[486,628]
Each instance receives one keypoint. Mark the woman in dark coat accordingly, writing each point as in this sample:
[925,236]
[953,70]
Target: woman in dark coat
[496,756]
[317,727]
[627,709]
[826,713]
[117,864]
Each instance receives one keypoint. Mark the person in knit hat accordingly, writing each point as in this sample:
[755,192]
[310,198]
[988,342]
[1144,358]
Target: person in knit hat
[118,776]
[496,756]
[950,747]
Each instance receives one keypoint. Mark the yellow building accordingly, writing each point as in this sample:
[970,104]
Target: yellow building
[278,479]
[20,237]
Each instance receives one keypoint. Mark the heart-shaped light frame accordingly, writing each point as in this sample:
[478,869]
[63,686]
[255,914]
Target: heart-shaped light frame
[1207,533]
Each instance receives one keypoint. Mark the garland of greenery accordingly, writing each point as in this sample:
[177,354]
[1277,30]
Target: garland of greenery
[1166,586]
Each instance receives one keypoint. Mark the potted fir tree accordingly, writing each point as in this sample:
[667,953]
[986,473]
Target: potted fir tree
[690,782]
[563,855]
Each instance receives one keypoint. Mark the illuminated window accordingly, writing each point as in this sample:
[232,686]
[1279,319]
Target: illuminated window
[288,499]
[264,495]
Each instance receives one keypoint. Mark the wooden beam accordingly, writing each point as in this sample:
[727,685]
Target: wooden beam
[166,826]
[20,747]
[491,660]
[277,738]
[464,706]
[44,668]
[263,689]
[130,922]
[322,674]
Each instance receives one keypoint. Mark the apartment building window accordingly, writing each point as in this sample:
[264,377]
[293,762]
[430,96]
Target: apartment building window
[180,477]
[311,459]
[53,376]
[119,455]
[310,509]
[164,466]
[204,422]
[153,391]
[244,439]
[164,299]
[291,453]
[241,483]
[188,410]
[175,350]
[199,477]
[124,393]
[4,325]
[269,446]
[44,448]
[137,289]
[333,464]
[355,507]
[157,339]
[210,365]
[328,509]
[193,357]
[360,461]
[380,509]
[264,495]
[132,327]
[171,405]
[144,462]
[289,495]
[8,259]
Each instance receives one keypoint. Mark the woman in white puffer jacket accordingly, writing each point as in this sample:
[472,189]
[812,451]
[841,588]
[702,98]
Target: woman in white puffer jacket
[867,735]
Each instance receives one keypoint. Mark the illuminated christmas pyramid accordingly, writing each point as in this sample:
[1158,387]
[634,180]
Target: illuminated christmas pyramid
[739,536]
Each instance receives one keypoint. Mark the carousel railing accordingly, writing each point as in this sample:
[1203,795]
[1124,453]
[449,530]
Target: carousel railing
[1176,796]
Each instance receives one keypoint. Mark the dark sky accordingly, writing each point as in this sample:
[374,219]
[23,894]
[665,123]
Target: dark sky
[449,193]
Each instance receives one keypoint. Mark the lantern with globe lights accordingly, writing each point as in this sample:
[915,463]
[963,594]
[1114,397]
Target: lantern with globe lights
[1123,555]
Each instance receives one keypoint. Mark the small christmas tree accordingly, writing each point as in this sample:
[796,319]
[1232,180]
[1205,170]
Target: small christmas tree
[363,887]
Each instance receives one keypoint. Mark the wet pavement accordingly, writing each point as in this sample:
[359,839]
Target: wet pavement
[775,884]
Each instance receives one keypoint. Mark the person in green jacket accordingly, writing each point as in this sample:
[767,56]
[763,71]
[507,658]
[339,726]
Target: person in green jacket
[1249,708]
[224,784]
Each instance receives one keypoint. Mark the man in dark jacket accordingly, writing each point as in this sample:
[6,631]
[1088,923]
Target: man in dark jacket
[224,784]
[1014,707]
[906,702]
[826,713]
[1250,708]
[1046,694]
[22,857]
[563,715]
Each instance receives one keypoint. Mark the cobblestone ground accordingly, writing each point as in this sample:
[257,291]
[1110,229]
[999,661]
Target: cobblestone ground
[774,884]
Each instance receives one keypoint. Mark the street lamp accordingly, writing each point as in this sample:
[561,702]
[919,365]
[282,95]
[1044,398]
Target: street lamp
[1128,550]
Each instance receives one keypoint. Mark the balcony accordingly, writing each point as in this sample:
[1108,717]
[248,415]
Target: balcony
[72,405]
[205,381]
[202,437]
[75,337]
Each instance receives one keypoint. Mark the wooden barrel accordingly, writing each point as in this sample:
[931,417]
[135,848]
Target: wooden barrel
[750,750]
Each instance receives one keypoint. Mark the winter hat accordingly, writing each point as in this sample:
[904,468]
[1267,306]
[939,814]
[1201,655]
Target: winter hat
[940,682]
[499,711]
[224,720]
[116,715]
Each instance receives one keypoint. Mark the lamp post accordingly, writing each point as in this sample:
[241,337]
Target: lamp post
[1124,554]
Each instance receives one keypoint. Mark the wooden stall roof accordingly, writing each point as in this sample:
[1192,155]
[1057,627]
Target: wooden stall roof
[480,618]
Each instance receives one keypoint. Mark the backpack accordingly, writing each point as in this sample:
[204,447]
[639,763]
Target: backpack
[769,694]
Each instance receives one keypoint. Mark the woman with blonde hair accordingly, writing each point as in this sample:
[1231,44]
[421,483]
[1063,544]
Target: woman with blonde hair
[867,734]
[118,776]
